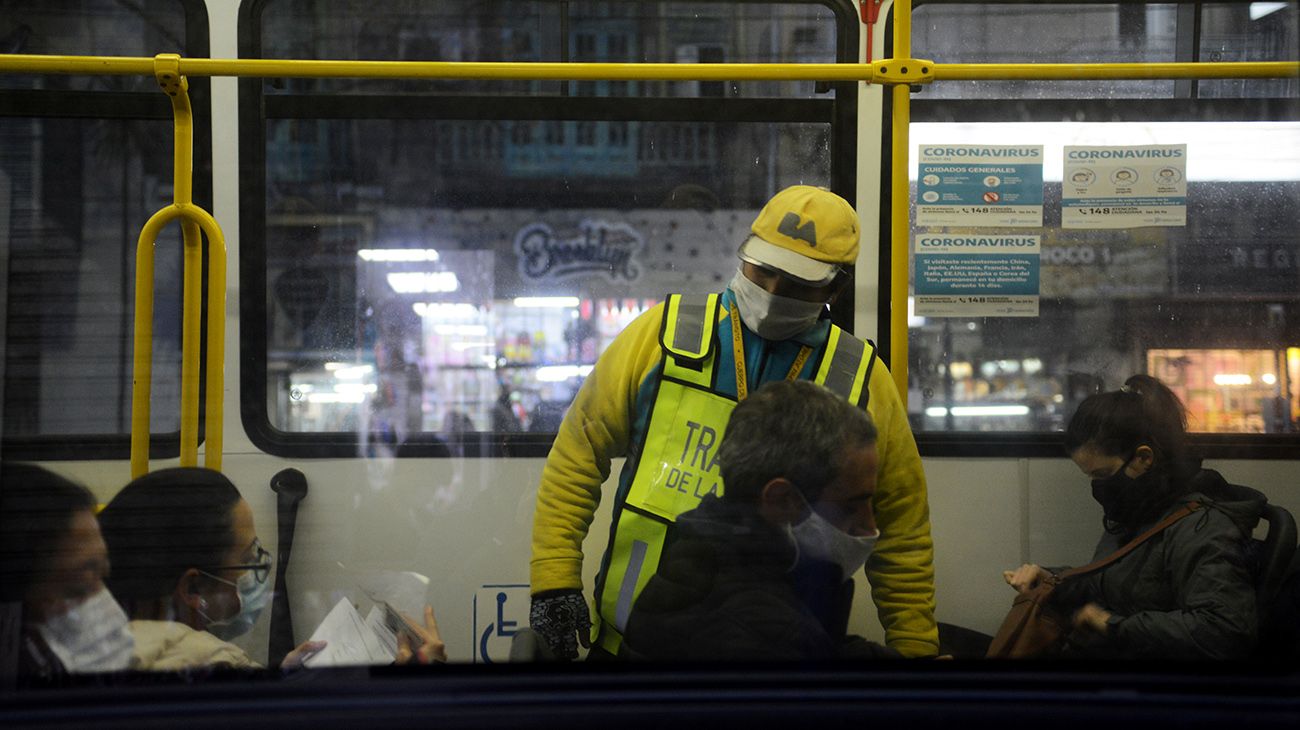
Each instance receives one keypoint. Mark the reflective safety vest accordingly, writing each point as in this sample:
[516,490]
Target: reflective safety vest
[678,462]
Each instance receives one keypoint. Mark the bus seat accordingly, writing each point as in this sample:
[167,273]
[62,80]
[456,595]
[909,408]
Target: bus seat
[1277,587]
[1274,554]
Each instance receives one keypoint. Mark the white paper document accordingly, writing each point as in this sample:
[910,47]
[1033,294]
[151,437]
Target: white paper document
[350,641]
[403,590]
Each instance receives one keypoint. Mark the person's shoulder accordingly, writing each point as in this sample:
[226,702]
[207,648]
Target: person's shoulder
[171,645]
[1209,519]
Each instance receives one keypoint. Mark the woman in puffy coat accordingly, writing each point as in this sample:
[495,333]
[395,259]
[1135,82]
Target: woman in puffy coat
[1186,593]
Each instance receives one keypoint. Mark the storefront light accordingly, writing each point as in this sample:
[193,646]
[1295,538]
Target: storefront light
[1232,379]
[1268,379]
[560,373]
[355,388]
[403,255]
[1032,365]
[353,372]
[977,411]
[423,282]
[545,302]
[446,310]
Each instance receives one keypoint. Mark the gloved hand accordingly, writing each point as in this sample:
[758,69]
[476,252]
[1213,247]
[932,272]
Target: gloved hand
[562,619]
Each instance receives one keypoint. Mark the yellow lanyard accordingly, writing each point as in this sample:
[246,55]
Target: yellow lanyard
[738,348]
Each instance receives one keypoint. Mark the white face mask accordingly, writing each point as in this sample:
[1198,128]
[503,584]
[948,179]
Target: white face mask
[91,637]
[817,538]
[253,597]
[771,316]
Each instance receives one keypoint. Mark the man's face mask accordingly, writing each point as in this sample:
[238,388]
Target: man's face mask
[90,637]
[253,597]
[816,538]
[771,316]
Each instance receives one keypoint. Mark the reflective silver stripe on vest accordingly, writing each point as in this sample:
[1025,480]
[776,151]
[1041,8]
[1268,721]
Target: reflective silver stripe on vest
[689,327]
[844,364]
[627,591]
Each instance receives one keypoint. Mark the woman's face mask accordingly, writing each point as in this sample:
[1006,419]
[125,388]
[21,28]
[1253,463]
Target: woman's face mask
[772,317]
[253,596]
[1131,501]
[92,636]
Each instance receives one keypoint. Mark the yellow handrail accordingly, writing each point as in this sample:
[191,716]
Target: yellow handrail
[878,72]
[193,219]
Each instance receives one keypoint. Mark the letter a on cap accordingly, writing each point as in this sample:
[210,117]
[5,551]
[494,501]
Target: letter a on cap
[794,227]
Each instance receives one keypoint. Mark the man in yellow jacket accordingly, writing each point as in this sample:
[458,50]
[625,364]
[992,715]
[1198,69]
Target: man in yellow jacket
[661,395]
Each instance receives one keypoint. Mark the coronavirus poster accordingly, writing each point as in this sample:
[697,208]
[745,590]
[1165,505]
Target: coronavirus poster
[980,185]
[977,276]
[1124,187]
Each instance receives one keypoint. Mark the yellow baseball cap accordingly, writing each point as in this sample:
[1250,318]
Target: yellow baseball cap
[806,233]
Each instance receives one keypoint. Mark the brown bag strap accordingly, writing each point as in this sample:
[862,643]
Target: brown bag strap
[1159,527]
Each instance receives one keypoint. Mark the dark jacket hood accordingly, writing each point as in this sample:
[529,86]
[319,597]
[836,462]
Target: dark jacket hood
[1242,504]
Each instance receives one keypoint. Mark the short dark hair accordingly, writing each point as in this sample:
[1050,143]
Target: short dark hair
[36,511]
[796,430]
[163,524]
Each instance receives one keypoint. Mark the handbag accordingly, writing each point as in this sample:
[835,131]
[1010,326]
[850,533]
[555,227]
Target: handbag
[1033,627]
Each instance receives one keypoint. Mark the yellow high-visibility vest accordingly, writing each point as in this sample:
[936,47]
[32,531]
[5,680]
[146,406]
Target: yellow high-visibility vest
[678,455]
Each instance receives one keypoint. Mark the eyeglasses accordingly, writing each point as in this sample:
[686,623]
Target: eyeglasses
[261,565]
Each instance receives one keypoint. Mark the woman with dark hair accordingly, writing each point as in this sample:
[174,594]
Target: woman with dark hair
[1187,592]
[190,570]
[52,568]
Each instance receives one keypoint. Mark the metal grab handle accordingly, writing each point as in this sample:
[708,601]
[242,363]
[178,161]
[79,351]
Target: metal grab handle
[290,487]
[193,219]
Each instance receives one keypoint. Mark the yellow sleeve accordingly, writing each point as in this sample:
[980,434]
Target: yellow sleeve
[594,431]
[901,568]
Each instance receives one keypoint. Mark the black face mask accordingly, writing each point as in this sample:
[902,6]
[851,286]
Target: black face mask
[1131,501]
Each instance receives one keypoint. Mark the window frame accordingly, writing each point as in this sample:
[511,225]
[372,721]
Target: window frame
[1183,106]
[122,106]
[256,109]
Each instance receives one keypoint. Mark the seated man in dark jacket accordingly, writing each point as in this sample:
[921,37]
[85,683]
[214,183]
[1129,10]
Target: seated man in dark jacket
[765,571]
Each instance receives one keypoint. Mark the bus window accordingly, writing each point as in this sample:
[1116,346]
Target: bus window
[1210,305]
[435,262]
[86,160]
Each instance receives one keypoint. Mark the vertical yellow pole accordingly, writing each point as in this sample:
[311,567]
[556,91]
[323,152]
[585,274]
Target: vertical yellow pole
[900,226]
[142,373]
[216,375]
[167,72]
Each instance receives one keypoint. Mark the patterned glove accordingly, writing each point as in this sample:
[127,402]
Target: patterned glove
[561,618]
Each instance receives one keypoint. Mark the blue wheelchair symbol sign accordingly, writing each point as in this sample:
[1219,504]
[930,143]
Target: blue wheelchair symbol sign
[499,612]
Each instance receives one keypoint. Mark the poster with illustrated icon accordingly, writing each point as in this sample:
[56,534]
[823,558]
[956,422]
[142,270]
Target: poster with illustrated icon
[980,185]
[1124,187]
